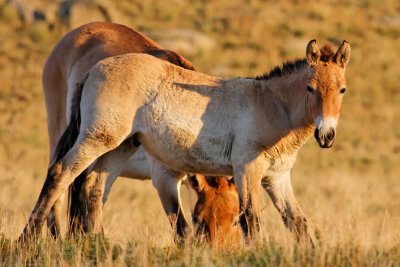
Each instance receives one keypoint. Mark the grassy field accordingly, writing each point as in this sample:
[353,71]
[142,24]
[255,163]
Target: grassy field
[350,193]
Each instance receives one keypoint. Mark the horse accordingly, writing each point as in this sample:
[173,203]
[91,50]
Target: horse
[72,57]
[216,212]
[190,122]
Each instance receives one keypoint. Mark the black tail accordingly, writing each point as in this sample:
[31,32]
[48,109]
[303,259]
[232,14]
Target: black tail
[67,140]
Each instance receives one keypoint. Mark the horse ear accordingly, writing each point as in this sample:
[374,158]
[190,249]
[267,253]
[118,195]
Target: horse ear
[178,60]
[197,181]
[312,53]
[342,56]
[173,58]
[231,183]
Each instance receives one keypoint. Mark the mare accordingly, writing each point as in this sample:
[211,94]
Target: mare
[189,122]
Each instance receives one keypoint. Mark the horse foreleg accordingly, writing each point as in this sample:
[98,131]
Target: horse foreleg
[106,169]
[248,178]
[168,182]
[281,193]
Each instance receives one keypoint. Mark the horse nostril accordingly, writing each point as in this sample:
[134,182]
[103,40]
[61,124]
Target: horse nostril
[331,135]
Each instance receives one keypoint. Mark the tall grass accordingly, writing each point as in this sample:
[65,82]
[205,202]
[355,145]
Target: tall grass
[349,193]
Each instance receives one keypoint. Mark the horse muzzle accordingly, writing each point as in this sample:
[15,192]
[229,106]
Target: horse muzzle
[325,139]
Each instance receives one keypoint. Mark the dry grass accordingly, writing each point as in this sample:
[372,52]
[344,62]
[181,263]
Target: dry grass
[350,193]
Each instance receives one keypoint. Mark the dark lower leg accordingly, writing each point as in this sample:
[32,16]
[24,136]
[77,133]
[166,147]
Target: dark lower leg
[297,225]
[50,192]
[53,219]
[173,210]
[93,191]
[78,208]
[281,194]
[179,225]
[249,219]
[107,167]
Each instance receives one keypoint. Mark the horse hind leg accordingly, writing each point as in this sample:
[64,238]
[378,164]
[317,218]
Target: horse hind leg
[167,182]
[106,169]
[55,91]
[281,193]
[62,173]
[54,218]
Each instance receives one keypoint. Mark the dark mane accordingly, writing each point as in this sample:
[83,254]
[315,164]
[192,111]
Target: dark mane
[291,66]
[327,53]
[287,68]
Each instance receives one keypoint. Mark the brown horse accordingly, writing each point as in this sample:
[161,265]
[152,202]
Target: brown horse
[190,122]
[216,212]
[71,58]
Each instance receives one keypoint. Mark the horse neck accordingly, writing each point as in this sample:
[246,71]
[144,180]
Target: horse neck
[291,90]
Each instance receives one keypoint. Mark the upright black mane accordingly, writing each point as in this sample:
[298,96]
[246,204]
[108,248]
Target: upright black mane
[287,68]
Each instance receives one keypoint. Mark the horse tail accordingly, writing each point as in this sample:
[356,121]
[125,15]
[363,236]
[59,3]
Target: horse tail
[67,140]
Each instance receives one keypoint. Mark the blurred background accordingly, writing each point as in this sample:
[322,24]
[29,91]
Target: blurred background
[350,193]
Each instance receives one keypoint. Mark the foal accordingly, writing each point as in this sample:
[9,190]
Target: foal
[190,122]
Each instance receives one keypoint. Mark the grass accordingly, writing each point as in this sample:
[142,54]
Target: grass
[85,251]
[349,193]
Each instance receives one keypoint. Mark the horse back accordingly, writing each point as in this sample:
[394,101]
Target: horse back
[143,93]
[188,120]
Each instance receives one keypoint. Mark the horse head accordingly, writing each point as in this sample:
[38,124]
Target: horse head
[326,86]
[217,209]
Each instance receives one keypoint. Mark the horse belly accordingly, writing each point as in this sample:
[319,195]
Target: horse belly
[137,167]
[180,133]
[181,150]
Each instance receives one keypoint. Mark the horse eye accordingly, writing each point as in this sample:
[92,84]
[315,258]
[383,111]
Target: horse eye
[310,89]
[343,90]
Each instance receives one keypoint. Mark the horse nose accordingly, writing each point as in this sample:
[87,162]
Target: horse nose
[325,139]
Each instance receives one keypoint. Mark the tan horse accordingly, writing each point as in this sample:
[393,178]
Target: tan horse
[216,212]
[190,122]
[71,58]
